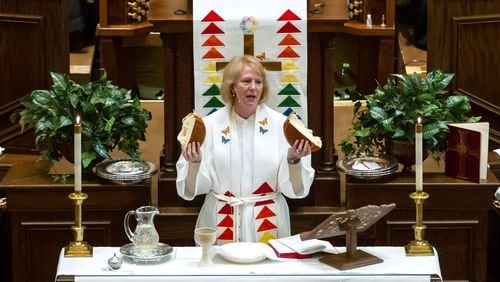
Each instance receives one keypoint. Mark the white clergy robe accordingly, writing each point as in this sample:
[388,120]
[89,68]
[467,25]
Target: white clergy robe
[245,175]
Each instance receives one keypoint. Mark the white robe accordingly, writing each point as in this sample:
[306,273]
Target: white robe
[245,159]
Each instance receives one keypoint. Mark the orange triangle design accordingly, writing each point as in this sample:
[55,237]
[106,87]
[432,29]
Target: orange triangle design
[288,40]
[288,53]
[213,54]
[265,212]
[226,222]
[226,235]
[266,225]
[214,41]
[264,188]
[226,209]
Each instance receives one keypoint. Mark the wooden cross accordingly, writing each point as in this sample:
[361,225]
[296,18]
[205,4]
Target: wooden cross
[248,49]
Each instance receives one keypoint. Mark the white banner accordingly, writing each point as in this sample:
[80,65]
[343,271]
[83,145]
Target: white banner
[275,31]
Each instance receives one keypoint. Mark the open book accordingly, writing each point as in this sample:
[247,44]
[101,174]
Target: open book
[466,155]
[295,247]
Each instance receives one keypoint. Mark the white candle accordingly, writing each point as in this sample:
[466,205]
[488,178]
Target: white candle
[78,155]
[418,156]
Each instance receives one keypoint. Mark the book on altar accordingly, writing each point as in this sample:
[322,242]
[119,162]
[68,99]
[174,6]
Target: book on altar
[466,155]
[294,247]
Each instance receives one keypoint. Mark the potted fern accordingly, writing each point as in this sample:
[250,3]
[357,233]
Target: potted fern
[392,111]
[111,119]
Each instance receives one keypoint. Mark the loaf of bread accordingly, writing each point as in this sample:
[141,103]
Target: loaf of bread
[296,130]
[193,130]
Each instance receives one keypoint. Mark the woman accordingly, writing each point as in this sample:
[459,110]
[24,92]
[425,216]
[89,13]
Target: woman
[245,165]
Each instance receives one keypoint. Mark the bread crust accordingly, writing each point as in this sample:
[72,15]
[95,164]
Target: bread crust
[292,134]
[197,134]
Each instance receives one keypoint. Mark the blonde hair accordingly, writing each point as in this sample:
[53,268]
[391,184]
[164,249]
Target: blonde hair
[233,71]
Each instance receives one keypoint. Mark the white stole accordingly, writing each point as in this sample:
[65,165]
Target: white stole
[266,149]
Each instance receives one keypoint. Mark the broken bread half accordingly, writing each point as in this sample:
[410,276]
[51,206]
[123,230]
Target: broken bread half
[193,130]
[295,130]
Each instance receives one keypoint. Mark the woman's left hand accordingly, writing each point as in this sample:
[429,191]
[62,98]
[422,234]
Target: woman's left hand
[300,148]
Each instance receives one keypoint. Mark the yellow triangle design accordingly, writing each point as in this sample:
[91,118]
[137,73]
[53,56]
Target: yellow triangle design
[290,66]
[212,78]
[210,67]
[266,237]
[289,78]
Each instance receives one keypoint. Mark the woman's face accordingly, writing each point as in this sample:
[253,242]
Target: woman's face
[248,91]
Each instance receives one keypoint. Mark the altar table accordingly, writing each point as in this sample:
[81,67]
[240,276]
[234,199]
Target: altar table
[181,265]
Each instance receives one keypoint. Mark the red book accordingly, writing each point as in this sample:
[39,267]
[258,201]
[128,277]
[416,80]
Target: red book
[466,153]
[283,251]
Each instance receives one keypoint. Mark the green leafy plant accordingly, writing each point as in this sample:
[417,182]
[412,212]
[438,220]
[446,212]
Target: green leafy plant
[392,111]
[110,118]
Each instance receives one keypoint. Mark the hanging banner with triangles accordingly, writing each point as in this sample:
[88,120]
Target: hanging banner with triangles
[274,31]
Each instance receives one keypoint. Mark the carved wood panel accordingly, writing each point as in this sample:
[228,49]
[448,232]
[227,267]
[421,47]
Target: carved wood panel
[34,40]
[463,38]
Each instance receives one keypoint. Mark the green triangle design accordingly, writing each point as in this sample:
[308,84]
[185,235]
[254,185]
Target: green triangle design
[289,102]
[212,91]
[214,103]
[289,90]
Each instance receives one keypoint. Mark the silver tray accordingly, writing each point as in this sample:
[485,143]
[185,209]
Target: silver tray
[374,166]
[159,254]
[125,171]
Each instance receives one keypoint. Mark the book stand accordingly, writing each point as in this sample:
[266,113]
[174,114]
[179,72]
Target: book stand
[349,222]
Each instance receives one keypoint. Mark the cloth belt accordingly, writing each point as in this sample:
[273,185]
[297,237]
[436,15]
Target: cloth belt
[237,202]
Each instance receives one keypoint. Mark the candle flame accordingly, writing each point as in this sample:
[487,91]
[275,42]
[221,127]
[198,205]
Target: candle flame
[78,121]
[419,120]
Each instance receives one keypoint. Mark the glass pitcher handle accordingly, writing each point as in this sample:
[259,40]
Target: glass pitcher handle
[126,226]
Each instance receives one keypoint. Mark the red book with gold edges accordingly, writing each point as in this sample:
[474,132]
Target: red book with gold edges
[466,151]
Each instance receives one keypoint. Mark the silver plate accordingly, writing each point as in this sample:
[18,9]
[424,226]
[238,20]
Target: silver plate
[159,254]
[126,171]
[385,165]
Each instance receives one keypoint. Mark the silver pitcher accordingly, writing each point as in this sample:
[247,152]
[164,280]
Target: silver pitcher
[145,237]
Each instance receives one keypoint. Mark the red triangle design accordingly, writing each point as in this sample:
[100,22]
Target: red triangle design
[226,222]
[288,53]
[265,212]
[213,54]
[212,17]
[266,225]
[226,235]
[289,16]
[263,203]
[228,194]
[288,40]
[264,188]
[214,41]
[212,29]
[288,28]
[226,209]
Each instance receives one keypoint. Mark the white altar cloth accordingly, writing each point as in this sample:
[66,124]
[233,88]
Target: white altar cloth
[181,265]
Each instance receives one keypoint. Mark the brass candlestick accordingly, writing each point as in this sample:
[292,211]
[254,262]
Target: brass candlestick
[419,246]
[78,248]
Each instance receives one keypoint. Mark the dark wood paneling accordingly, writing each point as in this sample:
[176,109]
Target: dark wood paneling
[39,216]
[457,215]
[33,41]
[463,38]
[23,46]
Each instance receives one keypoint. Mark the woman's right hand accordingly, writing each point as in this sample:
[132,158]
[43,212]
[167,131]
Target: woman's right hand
[192,152]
